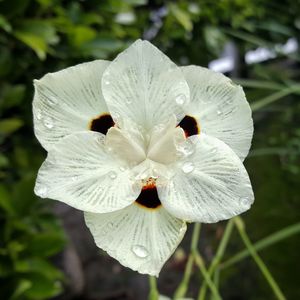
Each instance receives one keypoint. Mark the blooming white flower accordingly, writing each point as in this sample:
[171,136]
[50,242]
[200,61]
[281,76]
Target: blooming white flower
[142,147]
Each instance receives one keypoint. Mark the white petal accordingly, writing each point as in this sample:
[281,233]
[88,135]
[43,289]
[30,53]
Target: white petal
[81,172]
[144,85]
[210,185]
[125,146]
[164,140]
[66,101]
[220,107]
[138,238]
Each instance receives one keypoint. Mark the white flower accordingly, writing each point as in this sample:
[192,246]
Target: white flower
[142,146]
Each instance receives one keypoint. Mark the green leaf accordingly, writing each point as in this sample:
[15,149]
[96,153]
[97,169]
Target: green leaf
[38,35]
[11,95]
[46,244]
[4,24]
[5,200]
[82,34]
[23,197]
[9,126]
[42,287]
[22,286]
[182,17]
[4,162]
[40,266]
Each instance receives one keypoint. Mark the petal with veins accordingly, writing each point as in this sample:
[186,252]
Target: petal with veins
[144,85]
[81,172]
[209,185]
[125,146]
[138,238]
[66,101]
[220,107]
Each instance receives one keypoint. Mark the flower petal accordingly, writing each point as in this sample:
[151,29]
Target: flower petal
[66,101]
[209,185]
[138,238]
[220,107]
[81,172]
[144,85]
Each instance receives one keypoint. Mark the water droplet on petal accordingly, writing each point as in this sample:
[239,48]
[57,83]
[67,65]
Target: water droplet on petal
[38,114]
[219,112]
[188,167]
[128,101]
[187,148]
[180,99]
[110,225]
[213,151]
[122,169]
[244,201]
[52,100]
[113,175]
[140,251]
[106,82]
[41,191]
[48,122]
[74,178]
[182,229]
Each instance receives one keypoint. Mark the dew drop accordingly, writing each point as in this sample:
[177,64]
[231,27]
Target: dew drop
[180,99]
[41,191]
[219,112]
[140,251]
[122,169]
[107,82]
[110,225]
[48,122]
[113,175]
[52,100]
[213,151]
[244,201]
[186,148]
[182,229]
[128,101]
[38,114]
[188,167]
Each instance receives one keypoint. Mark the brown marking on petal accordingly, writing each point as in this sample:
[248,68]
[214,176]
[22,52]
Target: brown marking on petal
[148,198]
[189,125]
[102,123]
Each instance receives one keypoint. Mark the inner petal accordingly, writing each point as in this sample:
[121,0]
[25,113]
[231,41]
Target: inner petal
[148,198]
[190,126]
[102,123]
[163,146]
[125,146]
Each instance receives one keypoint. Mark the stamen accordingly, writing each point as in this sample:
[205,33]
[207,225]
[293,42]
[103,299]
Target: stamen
[102,123]
[148,198]
[190,126]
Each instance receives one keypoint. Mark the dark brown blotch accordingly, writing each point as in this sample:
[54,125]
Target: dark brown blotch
[102,123]
[148,198]
[190,126]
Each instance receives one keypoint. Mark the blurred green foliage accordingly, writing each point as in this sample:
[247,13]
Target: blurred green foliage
[39,36]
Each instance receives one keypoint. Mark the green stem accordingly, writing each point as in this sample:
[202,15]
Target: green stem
[183,286]
[259,84]
[200,263]
[217,258]
[216,281]
[271,98]
[264,243]
[153,294]
[263,268]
